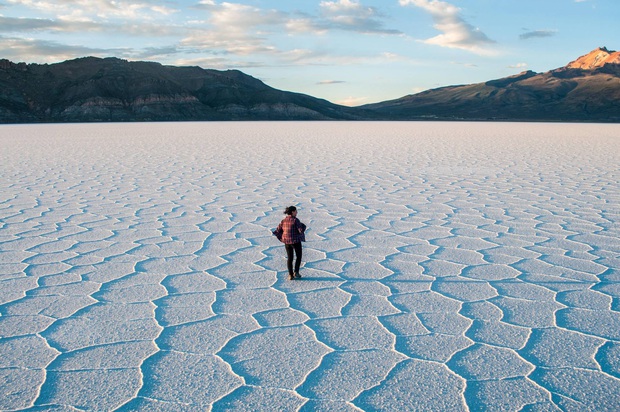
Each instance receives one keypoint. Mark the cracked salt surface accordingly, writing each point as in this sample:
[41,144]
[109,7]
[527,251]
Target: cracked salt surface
[449,266]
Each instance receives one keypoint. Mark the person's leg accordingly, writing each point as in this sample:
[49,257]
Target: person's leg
[289,259]
[298,254]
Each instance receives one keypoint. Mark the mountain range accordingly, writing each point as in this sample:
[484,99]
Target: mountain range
[98,90]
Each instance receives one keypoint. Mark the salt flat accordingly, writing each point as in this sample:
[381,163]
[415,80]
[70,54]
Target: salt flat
[449,266]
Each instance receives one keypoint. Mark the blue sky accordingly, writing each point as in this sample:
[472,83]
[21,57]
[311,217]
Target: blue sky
[346,51]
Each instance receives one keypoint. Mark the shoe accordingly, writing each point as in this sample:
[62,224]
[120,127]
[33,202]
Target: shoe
[291,277]
[297,275]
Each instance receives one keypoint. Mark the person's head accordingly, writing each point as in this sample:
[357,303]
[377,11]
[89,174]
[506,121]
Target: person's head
[291,211]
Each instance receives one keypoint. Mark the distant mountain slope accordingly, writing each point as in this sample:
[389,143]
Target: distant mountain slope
[94,89]
[587,89]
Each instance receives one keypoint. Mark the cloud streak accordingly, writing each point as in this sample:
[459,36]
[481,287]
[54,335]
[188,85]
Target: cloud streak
[537,34]
[456,32]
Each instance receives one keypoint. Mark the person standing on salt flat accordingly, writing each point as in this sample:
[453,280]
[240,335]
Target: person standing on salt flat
[291,232]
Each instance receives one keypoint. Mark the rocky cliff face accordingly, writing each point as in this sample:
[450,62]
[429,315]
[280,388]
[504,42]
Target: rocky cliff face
[93,89]
[587,89]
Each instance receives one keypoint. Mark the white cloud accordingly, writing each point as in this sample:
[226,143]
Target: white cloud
[456,32]
[351,15]
[352,101]
[329,82]
[518,66]
[234,29]
[82,10]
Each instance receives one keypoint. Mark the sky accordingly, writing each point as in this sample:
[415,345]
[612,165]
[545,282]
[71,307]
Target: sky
[349,52]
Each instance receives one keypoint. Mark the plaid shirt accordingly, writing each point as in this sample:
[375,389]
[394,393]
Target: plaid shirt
[290,231]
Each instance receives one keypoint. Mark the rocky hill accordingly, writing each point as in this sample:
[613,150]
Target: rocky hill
[93,89]
[585,90]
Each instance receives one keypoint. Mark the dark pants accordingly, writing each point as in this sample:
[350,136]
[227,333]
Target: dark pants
[289,255]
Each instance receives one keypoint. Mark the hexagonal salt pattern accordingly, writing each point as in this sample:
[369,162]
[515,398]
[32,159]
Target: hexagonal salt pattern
[448,266]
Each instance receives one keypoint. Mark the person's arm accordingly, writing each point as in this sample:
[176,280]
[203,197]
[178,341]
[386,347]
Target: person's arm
[278,232]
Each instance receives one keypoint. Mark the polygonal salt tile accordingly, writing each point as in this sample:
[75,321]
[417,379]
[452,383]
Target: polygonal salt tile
[157,405]
[132,293]
[258,356]
[281,317]
[423,249]
[20,387]
[516,394]
[248,301]
[54,306]
[586,299]
[470,238]
[43,258]
[352,333]
[461,256]
[587,389]
[524,290]
[403,324]
[482,362]
[83,260]
[494,332]
[253,398]
[108,271]
[555,283]
[433,347]
[447,323]
[59,245]
[441,268]
[330,266]
[365,271]
[604,324]
[172,265]
[344,375]
[80,332]
[528,313]
[491,272]
[560,348]
[79,288]
[579,265]
[22,325]
[400,284]
[185,308]
[438,390]
[328,406]
[608,357]
[15,288]
[122,355]
[91,389]
[464,289]
[365,305]
[244,274]
[194,282]
[39,353]
[481,311]
[425,302]
[206,337]
[323,303]
[47,269]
